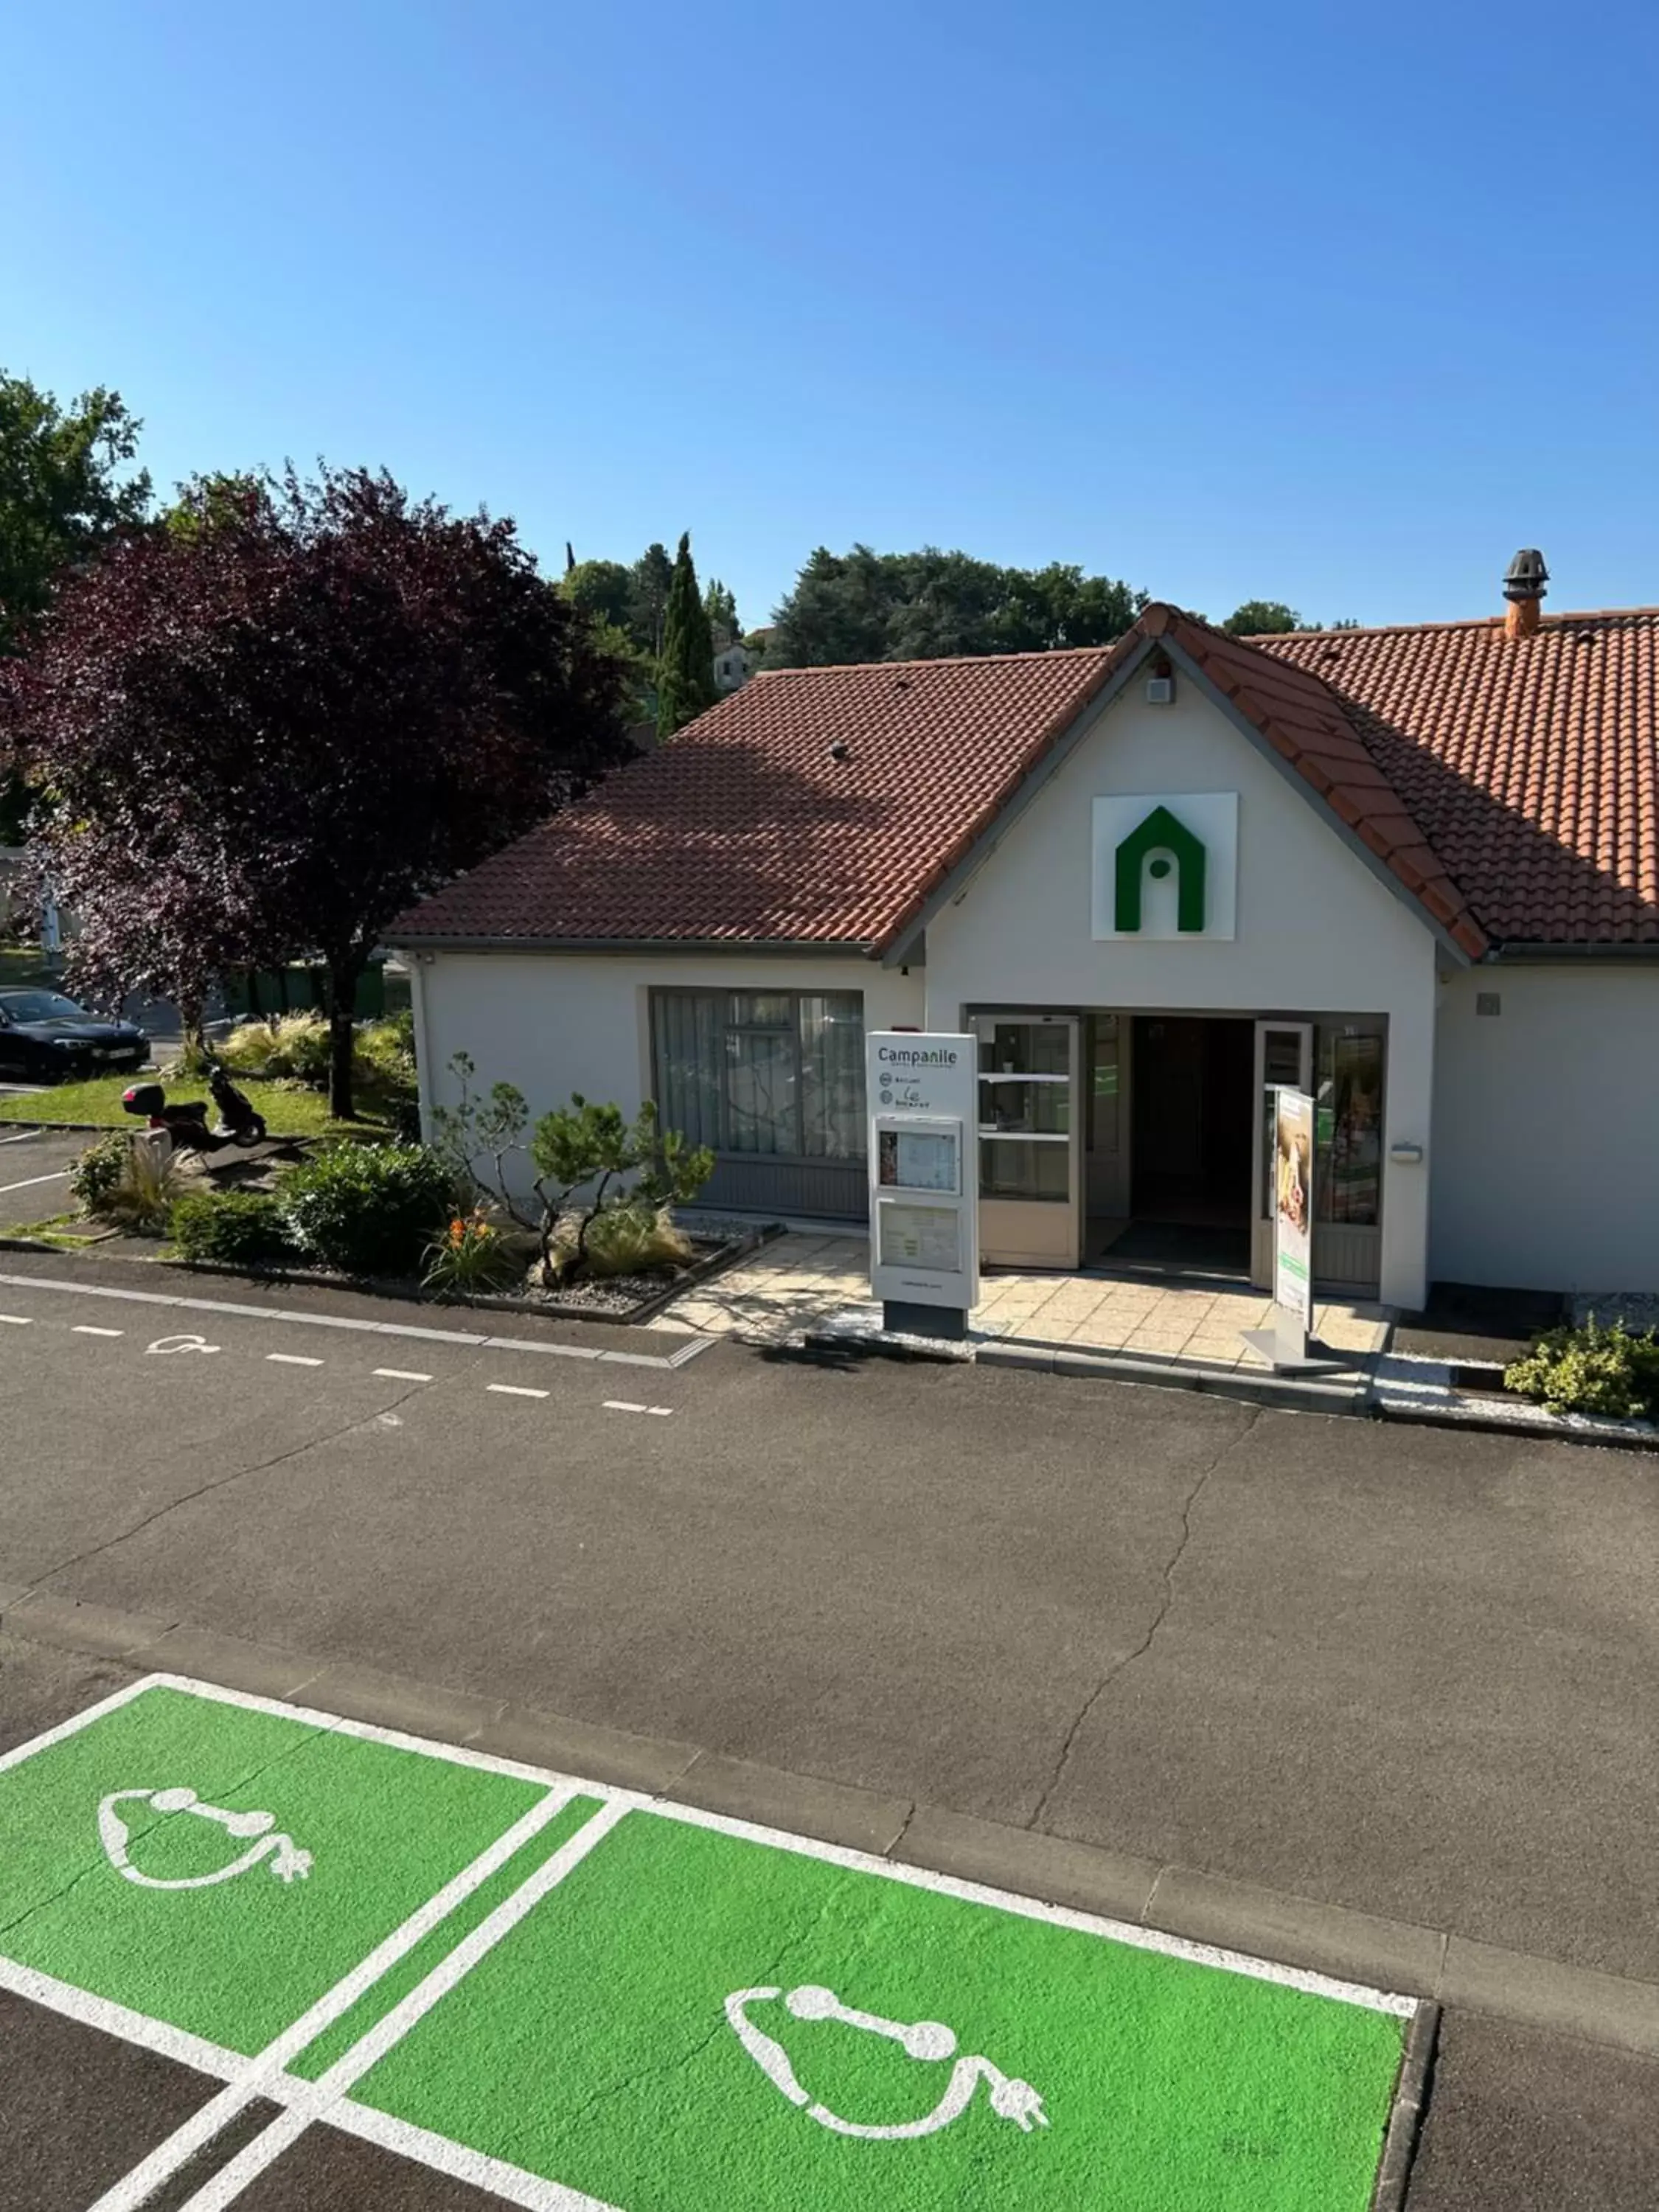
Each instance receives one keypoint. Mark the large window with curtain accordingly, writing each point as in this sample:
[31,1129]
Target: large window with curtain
[778,1074]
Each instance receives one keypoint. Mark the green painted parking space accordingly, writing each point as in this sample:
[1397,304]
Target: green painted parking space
[300,1850]
[718,2024]
[579,1998]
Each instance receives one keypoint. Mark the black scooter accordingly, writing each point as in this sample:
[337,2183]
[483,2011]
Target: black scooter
[239,1121]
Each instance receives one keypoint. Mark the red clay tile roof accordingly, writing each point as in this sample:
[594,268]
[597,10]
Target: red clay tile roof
[744,828]
[1531,764]
[1512,786]
[1306,724]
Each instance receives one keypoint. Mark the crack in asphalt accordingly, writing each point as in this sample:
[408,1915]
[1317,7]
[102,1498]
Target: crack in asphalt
[223,1482]
[1120,1667]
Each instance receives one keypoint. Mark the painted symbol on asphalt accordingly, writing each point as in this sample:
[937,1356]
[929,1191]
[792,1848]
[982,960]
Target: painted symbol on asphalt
[165,1344]
[925,2039]
[286,1860]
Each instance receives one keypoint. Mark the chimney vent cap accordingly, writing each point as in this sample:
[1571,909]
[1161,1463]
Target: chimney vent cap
[1526,576]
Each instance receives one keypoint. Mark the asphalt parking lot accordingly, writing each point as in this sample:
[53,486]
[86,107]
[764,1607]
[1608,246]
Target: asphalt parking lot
[1334,1683]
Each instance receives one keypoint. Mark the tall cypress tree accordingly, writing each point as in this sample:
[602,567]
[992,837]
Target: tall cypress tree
[685,678]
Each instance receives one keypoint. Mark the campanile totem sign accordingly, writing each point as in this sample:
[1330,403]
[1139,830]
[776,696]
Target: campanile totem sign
[924,1179]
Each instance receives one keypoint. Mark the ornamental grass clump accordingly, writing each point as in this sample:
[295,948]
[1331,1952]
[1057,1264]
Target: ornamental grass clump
[1591,1370]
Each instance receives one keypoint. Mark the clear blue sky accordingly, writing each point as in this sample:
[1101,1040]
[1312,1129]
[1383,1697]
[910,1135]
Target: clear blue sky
[1334,304]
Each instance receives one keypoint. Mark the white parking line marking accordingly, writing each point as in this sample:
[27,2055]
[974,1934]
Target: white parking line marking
[513,1390]
[626,1406]
[62,1175]
[402,1375]
[293,1360]
[86,1328]
[18,1320]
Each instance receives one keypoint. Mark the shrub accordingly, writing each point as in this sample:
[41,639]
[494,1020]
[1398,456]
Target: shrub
[129,1180]
[242,1228]
[624,1240]
[469,1254]
[142,1198]
[99,1169]
[1591,1370]
[293,1050]
[368,1209]
[384,1052]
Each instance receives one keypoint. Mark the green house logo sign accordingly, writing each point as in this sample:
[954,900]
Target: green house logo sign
[1173,848]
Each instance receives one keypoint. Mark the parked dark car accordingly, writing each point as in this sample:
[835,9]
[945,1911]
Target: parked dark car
[46,1039]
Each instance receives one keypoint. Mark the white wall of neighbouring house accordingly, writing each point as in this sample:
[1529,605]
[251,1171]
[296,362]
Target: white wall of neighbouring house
[555,1023]
[1547,1128]
[1315,931]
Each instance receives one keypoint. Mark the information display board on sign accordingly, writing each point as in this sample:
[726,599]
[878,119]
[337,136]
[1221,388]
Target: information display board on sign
[924,1178]
[919,1159]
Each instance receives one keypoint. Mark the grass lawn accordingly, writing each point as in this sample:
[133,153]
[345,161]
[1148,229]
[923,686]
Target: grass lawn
[288,1112]
[25,967]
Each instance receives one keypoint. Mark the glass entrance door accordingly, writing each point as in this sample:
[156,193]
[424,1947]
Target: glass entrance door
[1283,1057]
[1030,1211]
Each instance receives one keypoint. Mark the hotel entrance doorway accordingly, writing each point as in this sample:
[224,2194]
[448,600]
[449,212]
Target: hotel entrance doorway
[1190,1119]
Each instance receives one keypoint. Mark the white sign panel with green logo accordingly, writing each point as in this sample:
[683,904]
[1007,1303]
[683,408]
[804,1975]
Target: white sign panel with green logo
[924,1178]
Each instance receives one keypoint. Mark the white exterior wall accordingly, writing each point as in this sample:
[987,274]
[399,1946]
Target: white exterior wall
[555,1023]
[1316,932]
[1547,1128]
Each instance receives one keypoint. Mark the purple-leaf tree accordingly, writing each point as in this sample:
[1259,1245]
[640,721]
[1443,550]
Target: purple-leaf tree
[268,728]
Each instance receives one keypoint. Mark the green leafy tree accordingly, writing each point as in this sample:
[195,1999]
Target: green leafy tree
[721,607]
[604,589]
[864,605]
[685,673]
[647,607]
[1262,618]
[65,490]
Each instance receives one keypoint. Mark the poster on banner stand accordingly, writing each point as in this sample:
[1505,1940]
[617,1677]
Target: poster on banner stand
[1285,1345]
[1293,1203]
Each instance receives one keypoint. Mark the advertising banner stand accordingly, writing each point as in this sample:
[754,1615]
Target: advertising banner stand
[1287,1346]
[924,1180]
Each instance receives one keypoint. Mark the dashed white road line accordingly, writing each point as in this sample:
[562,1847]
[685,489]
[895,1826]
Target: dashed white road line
[402,1375]
[514,1390]
[18,1320]
[628,1406]
[86,1328]
[293,1360]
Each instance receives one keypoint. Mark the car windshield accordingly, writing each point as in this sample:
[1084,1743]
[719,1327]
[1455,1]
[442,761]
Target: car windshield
[38,1005]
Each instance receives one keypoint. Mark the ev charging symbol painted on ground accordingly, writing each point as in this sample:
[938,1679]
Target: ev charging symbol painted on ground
[286,1860]
[925,2039]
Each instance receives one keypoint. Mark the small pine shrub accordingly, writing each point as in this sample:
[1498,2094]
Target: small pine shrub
[1591,1370]
[368,1209]
[240,1228]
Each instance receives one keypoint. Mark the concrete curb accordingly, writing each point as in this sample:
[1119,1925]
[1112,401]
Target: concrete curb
[1257,1386]
[1411,2097]
[1437,1966]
